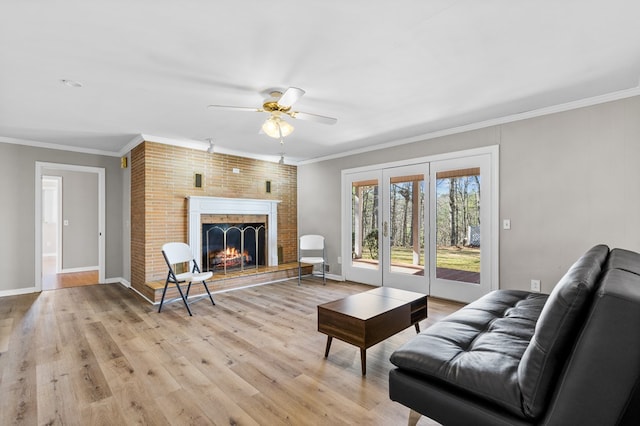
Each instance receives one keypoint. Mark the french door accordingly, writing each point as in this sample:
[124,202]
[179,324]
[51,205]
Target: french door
[429,227]
[463,228]
[387,227]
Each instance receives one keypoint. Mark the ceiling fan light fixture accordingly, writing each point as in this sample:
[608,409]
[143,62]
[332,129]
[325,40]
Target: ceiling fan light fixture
[276,127]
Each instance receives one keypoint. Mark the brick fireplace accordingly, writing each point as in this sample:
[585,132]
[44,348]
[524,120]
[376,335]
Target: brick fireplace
[162,182]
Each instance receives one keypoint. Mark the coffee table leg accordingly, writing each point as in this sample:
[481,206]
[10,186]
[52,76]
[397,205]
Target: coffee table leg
[363,361]
[326,351]
[417,327]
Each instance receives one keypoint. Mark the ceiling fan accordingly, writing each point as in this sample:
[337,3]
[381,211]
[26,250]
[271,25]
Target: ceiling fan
[279,104]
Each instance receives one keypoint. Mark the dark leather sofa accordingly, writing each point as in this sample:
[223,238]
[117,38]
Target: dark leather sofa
[519,358]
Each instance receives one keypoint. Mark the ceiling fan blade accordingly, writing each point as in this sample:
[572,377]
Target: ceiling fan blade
[313,117]
[235,108]
[290,96]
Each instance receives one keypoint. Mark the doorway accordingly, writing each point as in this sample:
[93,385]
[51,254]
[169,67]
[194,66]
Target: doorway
[70,204]
[428,226]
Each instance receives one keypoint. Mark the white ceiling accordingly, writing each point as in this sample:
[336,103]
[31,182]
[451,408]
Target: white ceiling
[389,71]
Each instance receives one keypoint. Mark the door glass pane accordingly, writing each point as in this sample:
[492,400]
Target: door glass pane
[364,224]
[406,225]
[458,225]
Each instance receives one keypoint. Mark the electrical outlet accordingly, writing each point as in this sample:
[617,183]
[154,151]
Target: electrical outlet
[535,285]
[339,260]
[506,224]
[326,267]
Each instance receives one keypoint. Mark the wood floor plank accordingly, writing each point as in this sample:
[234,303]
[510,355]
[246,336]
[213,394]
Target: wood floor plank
[18,367]
[103,413]
[100,355]
[181,408]
[6,326]
[55,406]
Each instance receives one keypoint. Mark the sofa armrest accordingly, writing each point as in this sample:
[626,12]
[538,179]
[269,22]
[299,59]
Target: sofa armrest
[601,382]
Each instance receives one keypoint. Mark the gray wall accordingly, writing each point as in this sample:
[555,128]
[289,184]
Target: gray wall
[567,181]
[17,213]
[80,209]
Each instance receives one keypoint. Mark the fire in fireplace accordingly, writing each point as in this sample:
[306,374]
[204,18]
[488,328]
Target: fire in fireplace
[233,246]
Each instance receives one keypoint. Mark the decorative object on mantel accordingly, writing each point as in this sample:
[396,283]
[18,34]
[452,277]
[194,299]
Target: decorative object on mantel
[278,104]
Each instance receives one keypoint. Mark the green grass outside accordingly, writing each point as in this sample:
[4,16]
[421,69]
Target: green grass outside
[459,258]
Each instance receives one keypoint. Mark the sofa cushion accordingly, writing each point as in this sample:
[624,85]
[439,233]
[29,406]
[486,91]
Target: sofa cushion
[477,349]
[556,329]
[624,260]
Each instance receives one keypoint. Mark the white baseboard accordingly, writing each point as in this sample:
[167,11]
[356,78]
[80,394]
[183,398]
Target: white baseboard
[81,269]
[143,296]
[118,280]
[18,291]
[127,284]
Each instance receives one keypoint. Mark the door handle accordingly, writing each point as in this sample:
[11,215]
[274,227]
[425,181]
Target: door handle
[385,229]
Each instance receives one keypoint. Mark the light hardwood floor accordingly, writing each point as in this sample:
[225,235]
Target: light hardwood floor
[99,355]
[53,281]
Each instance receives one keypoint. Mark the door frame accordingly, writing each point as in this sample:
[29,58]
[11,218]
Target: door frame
[40,166]
[459,290]
[494,238]
[371,276]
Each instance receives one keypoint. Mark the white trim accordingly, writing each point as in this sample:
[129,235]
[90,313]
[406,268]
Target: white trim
[455,290]
[55,146]
[202,145]
[80,269]
[118,280]
[490,149]
[220,205]
[19,291]
[143,296]
[197,145]
[568,106]
[38,214]
[137,140]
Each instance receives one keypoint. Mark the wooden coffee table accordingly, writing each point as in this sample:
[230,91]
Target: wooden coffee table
[368,318]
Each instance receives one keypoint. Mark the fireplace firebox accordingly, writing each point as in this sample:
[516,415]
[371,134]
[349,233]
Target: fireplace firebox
[233,246]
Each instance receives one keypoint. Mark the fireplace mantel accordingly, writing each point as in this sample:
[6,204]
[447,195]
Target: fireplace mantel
[220,205]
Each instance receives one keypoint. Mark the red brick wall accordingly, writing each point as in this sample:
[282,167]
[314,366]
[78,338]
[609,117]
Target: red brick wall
[163,175]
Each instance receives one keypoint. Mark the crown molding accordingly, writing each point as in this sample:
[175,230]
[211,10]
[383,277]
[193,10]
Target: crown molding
[58,147]
[568,106]
[197,145]
[203,145]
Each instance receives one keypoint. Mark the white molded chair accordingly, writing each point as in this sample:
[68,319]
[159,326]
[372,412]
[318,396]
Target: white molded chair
[175,253]
[315,244]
